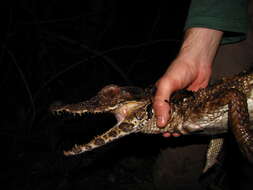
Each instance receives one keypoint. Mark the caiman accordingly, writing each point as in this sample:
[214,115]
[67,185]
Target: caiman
[226,106]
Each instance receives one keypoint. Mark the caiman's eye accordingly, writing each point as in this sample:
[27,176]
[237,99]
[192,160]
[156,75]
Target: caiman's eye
[149,111]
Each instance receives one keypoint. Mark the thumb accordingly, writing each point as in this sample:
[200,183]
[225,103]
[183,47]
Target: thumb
[161,107]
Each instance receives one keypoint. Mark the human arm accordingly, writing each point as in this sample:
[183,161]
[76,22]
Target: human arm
[209,23]
[191,69]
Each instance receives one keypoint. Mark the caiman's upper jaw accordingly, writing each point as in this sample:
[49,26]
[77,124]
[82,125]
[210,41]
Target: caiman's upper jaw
[120,111]
[82,108]
[109,99]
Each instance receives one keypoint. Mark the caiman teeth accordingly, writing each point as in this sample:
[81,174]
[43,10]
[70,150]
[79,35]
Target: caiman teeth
[79,112]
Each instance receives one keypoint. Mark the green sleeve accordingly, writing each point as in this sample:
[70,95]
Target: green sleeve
[229,16]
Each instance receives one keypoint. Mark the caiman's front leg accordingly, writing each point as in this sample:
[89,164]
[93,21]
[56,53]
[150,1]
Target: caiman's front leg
[239,122]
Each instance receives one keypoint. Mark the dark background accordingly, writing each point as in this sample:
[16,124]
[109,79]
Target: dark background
[63,52]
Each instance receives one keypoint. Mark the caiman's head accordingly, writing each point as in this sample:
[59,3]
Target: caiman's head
[131,106]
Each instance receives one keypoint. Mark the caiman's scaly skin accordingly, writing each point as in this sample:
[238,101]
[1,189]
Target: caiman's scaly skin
[222,107]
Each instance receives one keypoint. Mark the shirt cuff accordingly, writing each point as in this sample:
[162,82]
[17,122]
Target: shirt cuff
[234,30]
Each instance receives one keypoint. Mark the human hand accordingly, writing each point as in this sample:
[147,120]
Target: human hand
[191,69]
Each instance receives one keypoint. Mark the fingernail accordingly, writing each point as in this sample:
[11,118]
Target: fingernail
[176,135]
[160,121]
[166,135]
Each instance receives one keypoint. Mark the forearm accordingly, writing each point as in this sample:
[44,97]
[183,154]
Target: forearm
[200,44]
[195,58]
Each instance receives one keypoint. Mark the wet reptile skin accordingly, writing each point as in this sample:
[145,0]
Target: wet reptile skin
[226,106]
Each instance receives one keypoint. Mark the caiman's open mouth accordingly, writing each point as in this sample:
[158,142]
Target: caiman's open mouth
[123,112]
[123,102]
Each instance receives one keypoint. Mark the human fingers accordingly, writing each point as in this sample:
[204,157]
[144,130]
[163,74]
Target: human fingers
[201,81]
[161,109]
[160,105]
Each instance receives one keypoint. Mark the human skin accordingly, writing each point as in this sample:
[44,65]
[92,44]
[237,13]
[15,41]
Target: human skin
[191,69]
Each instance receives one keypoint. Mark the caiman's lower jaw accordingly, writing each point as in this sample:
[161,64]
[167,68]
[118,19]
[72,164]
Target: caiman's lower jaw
[122,128]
